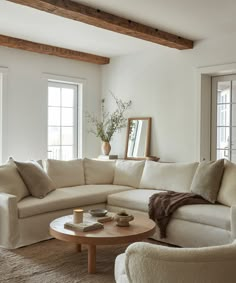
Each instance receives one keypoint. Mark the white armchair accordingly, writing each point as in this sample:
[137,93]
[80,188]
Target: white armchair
[149,263]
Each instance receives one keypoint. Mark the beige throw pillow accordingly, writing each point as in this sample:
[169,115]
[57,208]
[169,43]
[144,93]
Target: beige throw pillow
[11,182]
[227,192]
[128,173]
[66,173]
[168,176]
[99,172]
[36,180]
[207,179]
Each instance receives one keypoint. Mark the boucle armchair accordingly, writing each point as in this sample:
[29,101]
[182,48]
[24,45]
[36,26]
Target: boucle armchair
[148,263]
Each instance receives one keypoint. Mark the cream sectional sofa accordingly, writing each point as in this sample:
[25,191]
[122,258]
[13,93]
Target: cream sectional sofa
[123,184]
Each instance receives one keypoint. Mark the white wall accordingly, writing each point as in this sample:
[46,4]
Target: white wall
[161,82]
[25,101]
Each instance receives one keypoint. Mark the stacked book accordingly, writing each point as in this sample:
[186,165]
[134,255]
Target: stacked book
[84,226]
[108,157]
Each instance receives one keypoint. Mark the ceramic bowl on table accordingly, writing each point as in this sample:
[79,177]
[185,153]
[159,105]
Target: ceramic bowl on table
[122,219]
[98,212]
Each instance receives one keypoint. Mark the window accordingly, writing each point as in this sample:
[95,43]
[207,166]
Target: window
[224,117]
[3,114]
[63,121]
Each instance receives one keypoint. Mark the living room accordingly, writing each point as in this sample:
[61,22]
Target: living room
[171,86]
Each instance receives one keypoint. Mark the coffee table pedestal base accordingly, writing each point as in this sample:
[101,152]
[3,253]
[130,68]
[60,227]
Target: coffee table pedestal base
[91,259]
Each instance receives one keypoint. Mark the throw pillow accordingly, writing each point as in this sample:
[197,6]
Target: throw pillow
[66,173]
[227,192]
[175,177]
[11,182]
[128,173]
[99,172]
[207,179]
[36,180]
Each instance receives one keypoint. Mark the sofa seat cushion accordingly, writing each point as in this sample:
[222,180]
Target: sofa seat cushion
[213,215]
[65,198]
[132,199]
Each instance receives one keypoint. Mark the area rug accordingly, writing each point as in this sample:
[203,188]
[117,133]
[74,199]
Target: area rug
[55,261]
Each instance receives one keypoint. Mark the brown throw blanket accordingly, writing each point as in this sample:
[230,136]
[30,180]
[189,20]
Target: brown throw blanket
[163,205]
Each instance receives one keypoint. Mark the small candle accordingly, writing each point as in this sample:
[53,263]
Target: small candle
[78,215]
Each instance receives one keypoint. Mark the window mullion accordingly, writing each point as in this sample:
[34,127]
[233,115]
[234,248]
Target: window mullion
[230,123]
[60,123]
[75,126]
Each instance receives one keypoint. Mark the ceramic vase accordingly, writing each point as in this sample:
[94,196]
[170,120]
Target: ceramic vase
[106,148]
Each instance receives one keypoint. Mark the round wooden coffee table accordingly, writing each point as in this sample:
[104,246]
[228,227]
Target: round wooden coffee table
[140,228]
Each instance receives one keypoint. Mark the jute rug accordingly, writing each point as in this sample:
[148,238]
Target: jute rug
[55,261]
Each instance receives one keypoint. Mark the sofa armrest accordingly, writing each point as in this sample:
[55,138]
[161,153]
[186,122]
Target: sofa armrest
[120,274]
[153,263]
[233,221]
[9,225]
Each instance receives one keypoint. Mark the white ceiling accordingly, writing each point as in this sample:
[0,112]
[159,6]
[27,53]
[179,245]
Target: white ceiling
[192,19]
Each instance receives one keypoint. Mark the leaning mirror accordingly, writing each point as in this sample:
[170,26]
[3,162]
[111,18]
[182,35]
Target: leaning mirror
[138,138]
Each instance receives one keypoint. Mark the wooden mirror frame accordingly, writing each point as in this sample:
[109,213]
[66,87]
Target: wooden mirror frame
[148,138]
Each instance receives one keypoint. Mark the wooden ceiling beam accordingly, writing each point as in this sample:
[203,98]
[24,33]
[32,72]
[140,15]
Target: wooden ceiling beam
[17,43]
[79,12]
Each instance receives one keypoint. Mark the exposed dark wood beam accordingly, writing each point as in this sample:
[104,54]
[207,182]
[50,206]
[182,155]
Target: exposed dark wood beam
[17,43]
[98,18]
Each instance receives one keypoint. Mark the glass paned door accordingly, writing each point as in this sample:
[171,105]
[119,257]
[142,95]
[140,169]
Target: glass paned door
[224,118]
[62,121]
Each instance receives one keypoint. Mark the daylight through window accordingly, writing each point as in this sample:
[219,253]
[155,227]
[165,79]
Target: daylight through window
[62,120]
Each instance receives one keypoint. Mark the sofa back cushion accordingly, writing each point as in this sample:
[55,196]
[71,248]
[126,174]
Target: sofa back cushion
[207,179]
[98,172]
[66,173]
[128,173]
[227,192]
[168,176]
[11,182]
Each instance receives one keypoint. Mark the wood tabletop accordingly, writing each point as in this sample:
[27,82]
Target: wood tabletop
[140,228]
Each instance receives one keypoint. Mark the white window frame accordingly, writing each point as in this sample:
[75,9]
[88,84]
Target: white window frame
[203,106]
[215,80]
[3,114]
[82,86]
[75,112]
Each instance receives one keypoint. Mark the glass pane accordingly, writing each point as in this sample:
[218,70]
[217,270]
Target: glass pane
[53,96]
[234,91]
[222,154]
[233,156]
[223,115]
[53,135]
[54,116]
[67,117]
[233,144]
[67,97]
[233,115]
[67,136]
[223,137]
[67,152]
[223,92]
[54,152]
